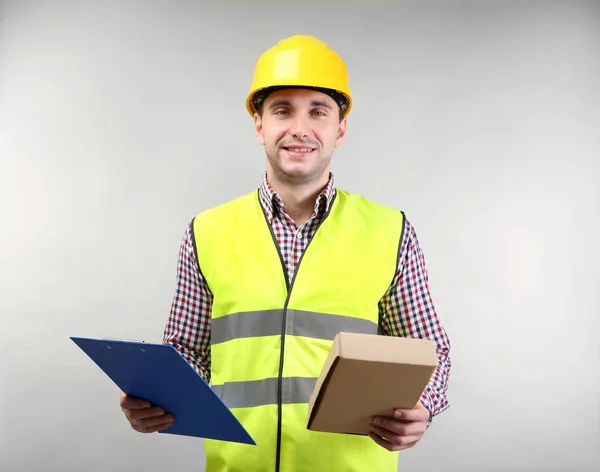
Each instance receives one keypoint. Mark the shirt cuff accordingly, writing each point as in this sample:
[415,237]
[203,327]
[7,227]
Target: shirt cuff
[428,404]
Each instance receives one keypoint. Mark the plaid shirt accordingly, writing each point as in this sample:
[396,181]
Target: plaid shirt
[407,308]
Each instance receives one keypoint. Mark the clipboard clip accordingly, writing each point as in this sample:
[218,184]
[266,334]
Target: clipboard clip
[121,340]
[125,340]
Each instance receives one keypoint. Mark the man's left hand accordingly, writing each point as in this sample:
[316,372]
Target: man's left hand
[402,431]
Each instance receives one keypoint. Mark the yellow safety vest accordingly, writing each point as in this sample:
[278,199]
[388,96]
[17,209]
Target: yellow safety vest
[270,338]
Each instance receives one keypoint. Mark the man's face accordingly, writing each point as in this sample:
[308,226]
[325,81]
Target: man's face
[300,129]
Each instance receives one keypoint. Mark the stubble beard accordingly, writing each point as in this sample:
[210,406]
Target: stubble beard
[314,174]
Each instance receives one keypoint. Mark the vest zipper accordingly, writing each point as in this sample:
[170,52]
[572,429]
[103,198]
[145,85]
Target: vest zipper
[289,285]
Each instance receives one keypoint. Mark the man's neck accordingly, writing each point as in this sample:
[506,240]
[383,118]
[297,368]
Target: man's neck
[299,200]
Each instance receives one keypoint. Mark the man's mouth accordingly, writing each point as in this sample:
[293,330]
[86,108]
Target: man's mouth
[298,151]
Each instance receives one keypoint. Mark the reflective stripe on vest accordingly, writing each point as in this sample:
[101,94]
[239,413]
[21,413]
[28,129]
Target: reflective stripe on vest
[298,323]
[264,391]
[270,337]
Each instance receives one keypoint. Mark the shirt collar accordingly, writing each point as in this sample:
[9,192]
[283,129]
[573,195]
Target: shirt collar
[272,202]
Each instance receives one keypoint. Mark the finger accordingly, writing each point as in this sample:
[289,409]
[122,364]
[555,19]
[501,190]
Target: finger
[153,412]
[152,428]
[131,403]
[160,427]
[400,427]
[395,442]
[388,445]
[382,442]
[417,414]
[153,422]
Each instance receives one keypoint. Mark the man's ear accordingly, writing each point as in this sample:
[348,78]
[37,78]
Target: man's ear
[258,129]
[341,134]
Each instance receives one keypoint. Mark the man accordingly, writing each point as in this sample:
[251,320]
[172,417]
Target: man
[261,277]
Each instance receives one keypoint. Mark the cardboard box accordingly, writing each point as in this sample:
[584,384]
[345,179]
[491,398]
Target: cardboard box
[366,375]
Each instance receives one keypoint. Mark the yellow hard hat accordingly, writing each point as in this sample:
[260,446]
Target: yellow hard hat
[300,61]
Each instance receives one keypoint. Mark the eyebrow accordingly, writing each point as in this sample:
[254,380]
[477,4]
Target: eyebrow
[314,103]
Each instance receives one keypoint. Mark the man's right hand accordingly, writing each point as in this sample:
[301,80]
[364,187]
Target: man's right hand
[143,417]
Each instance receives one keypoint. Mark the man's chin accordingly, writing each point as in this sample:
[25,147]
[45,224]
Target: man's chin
[298,175]
[296,166]
[297,171]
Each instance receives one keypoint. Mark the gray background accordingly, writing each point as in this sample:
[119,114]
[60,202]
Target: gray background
[119,121]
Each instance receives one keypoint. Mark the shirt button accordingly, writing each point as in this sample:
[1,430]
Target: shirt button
[299,235]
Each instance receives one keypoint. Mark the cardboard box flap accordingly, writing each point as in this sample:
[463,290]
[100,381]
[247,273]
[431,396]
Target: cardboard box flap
[377,348]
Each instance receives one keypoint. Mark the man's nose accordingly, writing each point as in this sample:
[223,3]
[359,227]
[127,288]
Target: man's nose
[300,127]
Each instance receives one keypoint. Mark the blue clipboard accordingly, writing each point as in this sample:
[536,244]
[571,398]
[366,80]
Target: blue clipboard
[160,374]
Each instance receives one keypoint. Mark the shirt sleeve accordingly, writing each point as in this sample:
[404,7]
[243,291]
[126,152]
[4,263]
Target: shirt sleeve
[408,310]
[188,326]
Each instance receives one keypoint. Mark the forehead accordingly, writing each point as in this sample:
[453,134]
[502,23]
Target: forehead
[300,97]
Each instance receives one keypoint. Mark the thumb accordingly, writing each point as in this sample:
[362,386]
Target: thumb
[419,413]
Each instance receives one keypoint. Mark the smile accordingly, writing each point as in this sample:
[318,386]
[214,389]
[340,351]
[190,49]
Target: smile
[298,152]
